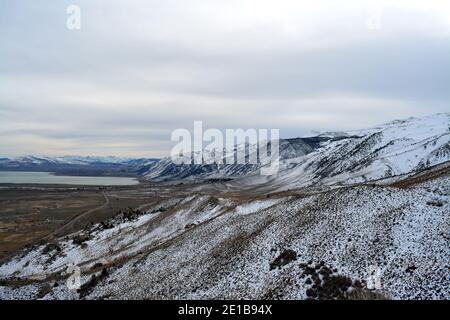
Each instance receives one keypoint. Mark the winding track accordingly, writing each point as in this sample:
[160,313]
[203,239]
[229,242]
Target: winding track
[77,218]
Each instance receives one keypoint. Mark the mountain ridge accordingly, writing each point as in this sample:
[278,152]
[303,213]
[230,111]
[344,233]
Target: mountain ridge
[397,147]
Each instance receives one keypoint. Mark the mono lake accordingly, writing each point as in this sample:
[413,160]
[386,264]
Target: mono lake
[49,178]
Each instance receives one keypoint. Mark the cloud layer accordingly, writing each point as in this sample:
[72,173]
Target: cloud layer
[139,69]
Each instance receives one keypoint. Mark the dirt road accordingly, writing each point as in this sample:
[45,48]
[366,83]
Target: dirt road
[77,218]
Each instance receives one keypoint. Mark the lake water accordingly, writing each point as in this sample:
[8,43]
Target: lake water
[49,178]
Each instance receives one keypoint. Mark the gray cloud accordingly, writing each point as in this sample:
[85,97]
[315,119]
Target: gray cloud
[139,69]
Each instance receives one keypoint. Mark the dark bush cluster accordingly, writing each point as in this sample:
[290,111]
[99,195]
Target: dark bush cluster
[284,258]
[325,284]
[50,248]
[89,286]
[80,239]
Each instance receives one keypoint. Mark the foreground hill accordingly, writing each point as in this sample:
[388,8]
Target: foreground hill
[289,245]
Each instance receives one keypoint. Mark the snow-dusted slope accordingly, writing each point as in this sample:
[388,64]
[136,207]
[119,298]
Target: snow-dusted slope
[166,170]
[395,148]
[200,246]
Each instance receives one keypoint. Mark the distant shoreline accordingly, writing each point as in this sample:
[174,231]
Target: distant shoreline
[75,173]
[42,178]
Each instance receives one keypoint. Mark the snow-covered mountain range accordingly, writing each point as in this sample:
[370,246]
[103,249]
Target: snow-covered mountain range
[396,148]
[332,158]
[76,165]
[64,160]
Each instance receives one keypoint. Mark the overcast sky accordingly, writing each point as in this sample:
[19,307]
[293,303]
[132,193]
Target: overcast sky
[136,70]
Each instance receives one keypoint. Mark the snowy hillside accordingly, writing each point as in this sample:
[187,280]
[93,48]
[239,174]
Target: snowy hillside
[166,170]
[396,148]
[288,246]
